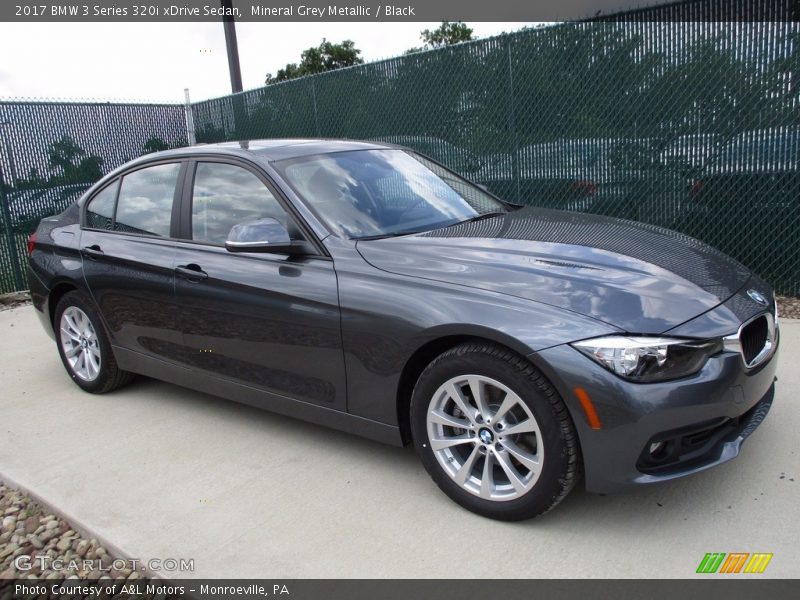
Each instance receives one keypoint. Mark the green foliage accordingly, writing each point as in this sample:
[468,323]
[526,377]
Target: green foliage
[33,181]
[65,155]
[448,33]
[70,164]
[154,144]
[319,59]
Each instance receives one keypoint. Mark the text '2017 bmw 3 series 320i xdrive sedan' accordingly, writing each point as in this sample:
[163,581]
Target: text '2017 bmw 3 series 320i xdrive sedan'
[365,287]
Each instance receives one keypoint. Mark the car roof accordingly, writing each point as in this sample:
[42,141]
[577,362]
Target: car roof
[275,149]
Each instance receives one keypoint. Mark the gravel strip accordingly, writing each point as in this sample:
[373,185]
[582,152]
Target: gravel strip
[13,300]
[789,307]
[31,536]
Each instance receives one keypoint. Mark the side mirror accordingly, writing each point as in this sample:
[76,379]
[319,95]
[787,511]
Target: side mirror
[263,235]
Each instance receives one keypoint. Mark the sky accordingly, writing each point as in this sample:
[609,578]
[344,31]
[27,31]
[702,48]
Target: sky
[155,61]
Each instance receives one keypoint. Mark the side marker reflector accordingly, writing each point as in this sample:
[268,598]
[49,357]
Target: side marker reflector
[588,408]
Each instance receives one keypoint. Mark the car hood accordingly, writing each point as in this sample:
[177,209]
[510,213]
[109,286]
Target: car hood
[636,277]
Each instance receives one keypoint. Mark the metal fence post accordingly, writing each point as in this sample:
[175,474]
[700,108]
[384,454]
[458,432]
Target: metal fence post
[13,257]
[512,123]
[187,107]
[316,112]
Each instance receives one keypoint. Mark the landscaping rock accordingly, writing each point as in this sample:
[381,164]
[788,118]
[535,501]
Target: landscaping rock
[25,530]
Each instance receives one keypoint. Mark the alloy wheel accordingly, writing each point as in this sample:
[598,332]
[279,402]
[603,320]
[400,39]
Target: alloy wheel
[80,343]
[485,437]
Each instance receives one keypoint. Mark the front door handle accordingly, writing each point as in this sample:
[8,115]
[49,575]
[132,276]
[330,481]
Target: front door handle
[192,272]
[93,251]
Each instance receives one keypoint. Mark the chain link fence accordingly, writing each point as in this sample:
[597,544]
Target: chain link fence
[689,125]
[660,115]
[51,152]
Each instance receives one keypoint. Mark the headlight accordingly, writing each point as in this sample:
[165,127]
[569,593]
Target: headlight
[649,359]
[775,303]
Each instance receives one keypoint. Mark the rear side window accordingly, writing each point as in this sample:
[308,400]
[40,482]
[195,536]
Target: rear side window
[225,195]
[100,211]
[145,200]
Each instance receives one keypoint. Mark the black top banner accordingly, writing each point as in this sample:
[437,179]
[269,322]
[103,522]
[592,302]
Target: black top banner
[395,10]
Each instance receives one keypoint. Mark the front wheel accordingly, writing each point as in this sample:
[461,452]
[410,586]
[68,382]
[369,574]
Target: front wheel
[493,433]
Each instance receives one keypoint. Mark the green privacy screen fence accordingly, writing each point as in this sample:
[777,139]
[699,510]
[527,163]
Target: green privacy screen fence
[50,152]
[689,125]
[661,115]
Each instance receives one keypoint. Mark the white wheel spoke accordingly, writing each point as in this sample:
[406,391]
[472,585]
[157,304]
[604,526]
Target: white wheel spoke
[479,395]
[72,351]
[69,333]
[466,469]
[442,418]
[442,443]
[508,403]
[527,426]
[529,461]
[93,363]
[454,392]
[81,366]
[90,370]
[511,472]
[487,479]
[71,324]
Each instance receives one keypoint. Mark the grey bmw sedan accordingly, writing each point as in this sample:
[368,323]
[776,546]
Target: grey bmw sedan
[365,287]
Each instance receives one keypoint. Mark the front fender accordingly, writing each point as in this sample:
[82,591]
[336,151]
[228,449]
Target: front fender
[387,318]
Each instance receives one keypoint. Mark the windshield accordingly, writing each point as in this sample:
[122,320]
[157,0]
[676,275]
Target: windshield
[373,193]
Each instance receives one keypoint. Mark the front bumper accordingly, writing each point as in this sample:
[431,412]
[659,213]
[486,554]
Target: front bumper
[633,415]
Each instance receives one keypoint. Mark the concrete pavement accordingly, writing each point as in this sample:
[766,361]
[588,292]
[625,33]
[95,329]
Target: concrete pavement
[164,472]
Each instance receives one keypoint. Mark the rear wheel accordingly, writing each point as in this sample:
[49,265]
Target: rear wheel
[84,347]
[493,433]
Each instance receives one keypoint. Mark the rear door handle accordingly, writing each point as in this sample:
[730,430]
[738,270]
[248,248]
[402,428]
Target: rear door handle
[93,251]
[192,272]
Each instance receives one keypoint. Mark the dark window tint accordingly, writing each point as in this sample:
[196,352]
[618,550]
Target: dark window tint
[100,212]
[225,195]
[145,200]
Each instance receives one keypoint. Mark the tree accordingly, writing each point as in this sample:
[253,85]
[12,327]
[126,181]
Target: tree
[63,154]
[75,166]
[33,181]
[89,170]
[155,144]
[448,33]
[325,57]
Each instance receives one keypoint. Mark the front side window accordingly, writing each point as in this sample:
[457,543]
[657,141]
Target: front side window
[100,211]
[372,193]
[225,195]
[145,200]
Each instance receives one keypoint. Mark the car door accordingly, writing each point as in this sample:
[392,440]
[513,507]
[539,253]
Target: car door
[127,252]
[269,321]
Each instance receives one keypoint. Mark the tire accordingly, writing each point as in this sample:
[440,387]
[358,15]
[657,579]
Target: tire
[532,464]
[84,347]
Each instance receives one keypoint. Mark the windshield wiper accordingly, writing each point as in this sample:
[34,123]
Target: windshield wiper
[483,216]
[387,235]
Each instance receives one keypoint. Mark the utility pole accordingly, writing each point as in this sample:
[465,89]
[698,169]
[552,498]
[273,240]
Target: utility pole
[231,45]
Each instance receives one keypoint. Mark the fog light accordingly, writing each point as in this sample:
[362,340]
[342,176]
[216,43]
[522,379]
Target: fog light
[657,448]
